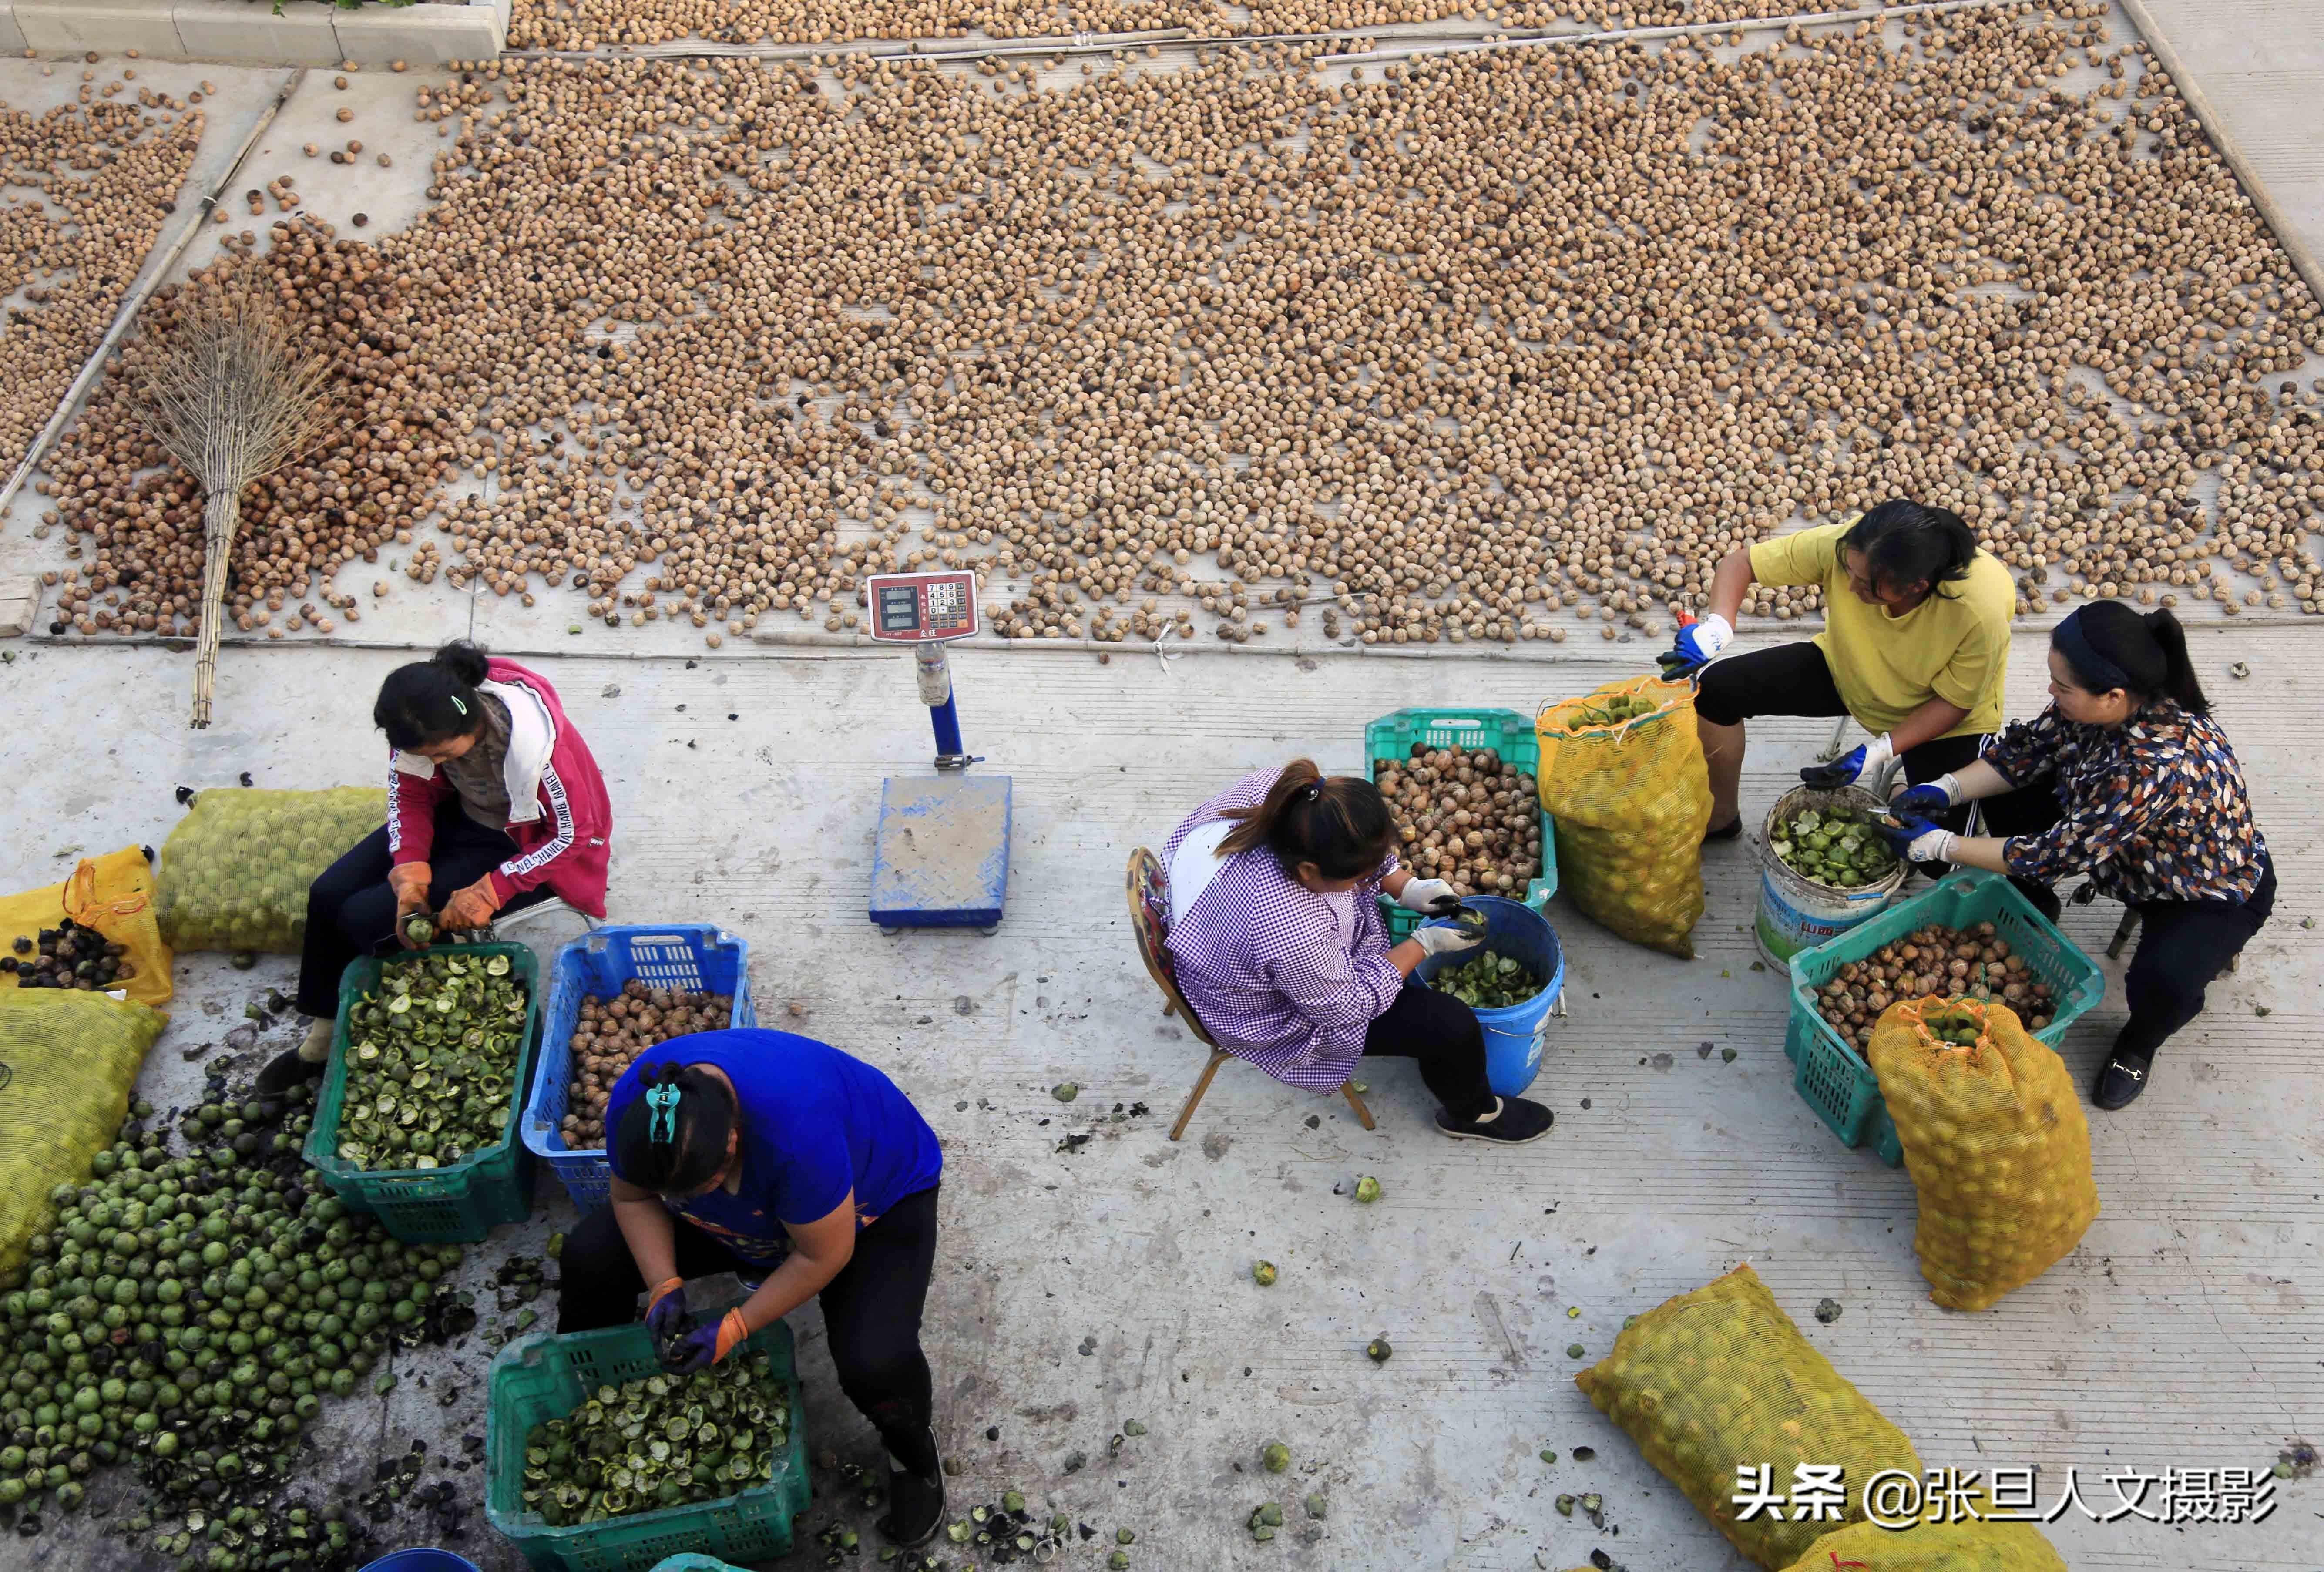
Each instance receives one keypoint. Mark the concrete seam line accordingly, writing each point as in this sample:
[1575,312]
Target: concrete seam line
[94,365]
[2303,261]
[806,643]
[1677,30]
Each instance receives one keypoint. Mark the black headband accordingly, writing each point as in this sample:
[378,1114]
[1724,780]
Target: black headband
[2084,658]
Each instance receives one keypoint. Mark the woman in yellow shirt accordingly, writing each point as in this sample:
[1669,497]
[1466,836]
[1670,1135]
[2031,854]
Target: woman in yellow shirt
[1916,646]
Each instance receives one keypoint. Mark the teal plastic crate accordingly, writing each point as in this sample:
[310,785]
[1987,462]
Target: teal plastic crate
[544,1377]
[1831,1077]
[463,1201]
[1506,733]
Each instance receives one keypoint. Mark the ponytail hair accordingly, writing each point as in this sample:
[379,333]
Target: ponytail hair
[1341,824]
[433,700]
[1905,544]
[2110,646]
[672,1140]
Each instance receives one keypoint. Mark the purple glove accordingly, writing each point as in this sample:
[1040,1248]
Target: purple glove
[668,1308]
[709,1344]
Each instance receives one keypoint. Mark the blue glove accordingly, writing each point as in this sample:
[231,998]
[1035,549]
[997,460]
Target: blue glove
[1695,647]
[1916,837]
[1930,797]
[1861,768]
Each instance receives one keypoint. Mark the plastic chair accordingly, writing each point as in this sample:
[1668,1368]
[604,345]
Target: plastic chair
[1149,919]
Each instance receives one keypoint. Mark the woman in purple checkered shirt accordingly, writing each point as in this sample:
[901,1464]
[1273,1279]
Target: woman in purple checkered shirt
[1279,949]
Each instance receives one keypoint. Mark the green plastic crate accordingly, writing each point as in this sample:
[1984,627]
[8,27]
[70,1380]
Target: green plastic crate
[1835,1081]
[544,1377]
[1506,733]
[461,1202]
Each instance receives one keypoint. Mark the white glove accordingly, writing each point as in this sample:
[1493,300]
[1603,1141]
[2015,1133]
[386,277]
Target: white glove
[1446,938]
[1435,896]
[1863,767]
[1935,846]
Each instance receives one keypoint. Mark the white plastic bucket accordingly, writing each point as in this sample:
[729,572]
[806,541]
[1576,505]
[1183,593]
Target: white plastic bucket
[1795,913]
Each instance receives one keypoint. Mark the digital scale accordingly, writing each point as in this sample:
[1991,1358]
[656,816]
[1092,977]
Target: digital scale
[940,858]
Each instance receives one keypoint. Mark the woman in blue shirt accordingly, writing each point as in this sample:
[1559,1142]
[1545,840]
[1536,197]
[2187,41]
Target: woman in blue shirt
[782,1159]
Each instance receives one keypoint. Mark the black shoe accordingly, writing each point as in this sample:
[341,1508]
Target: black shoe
[1516,1123]
[916,1505]
[287,1070]
[1731,830]
[2120,1081]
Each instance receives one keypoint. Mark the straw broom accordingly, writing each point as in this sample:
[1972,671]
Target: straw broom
[229,390]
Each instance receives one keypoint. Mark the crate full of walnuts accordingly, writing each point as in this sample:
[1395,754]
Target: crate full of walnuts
[614,993]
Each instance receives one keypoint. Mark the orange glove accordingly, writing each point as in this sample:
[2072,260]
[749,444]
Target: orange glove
[470,908]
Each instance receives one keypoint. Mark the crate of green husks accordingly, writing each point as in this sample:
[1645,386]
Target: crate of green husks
[417,1121]
[599,1460]
[1832,1077]
[234,871]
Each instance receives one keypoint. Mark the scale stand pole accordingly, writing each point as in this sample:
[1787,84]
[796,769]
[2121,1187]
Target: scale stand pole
[936,692]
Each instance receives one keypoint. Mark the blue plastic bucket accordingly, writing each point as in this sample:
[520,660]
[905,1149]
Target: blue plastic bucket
[1514,1037]
[423,1561]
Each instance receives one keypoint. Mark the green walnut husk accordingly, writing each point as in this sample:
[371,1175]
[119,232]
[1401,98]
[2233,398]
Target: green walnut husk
[1263,1273]
[1378,1351]
[659,1441]
[419,931]
[1490,981]
[431,1062]
[1368,1189]
[1835,845]
[1613,711]
[1275,1456]
[189,1316]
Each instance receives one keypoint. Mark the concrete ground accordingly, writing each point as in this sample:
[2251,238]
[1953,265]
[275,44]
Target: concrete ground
[2181,1333]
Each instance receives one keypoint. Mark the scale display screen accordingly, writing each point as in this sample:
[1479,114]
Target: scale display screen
[916,608]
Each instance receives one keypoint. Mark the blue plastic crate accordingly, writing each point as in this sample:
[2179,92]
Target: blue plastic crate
[697,957]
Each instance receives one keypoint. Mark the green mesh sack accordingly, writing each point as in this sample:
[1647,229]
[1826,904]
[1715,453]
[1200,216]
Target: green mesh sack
[1977,1546]
[234,871]
[66,1063]
[1995,1139]
[1720,1379]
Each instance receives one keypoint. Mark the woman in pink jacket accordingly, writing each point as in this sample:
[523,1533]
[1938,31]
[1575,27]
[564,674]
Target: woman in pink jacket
[494,804]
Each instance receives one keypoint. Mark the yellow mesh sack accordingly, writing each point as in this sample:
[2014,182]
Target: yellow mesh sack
[1630,801]
[66,1063]
[113,894]
[1977,1546]
[1720,1378]
[234,871]
[1995,1139]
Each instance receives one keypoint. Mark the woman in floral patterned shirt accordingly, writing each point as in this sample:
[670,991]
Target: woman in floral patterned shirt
[2128,779]
[1277,945]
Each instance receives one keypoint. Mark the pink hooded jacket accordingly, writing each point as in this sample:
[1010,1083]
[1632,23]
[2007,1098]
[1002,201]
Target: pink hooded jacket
[558,813]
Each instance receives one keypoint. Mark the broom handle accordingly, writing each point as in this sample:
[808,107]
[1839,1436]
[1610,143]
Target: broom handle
[221,519]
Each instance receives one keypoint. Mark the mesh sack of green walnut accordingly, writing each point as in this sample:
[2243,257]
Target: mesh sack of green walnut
[68,1061]
[1995,1139]
[1977,1546]
[1622,777]
[234,871]
[1720,1379]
